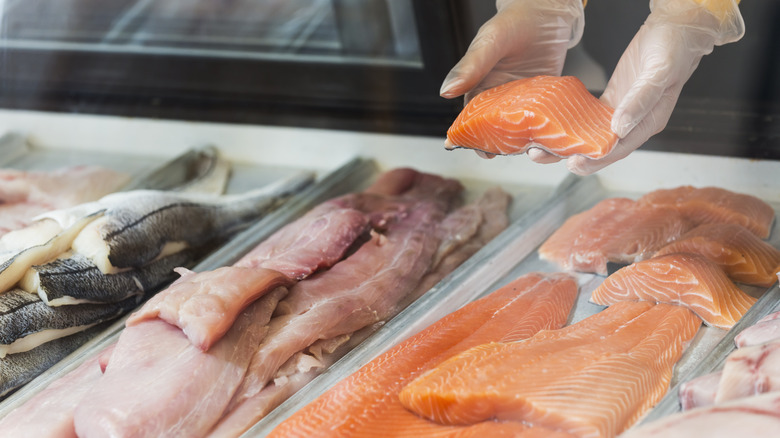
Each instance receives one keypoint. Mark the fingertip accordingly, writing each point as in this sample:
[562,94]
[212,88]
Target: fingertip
[541,156]
[584,166]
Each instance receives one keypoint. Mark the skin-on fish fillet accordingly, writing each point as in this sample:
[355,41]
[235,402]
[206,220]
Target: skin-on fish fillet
[685,279]
[715,205]
[615,229]
[366,403]
[754,417]
[553,113]
[205,305]
[741,254]
[594,378]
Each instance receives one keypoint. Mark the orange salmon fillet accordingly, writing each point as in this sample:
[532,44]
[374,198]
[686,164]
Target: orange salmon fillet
[594,378]
[685,279]
[366,403]
[741,254]
[715,205]
[554,113]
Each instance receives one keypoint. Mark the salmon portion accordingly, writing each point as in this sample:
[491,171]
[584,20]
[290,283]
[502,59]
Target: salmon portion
[741,254]
[366,403]
[615,229]
[685,279]
[594,378]
[556,114]
[715,205]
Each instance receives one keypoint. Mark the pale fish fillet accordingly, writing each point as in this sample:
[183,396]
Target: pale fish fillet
[754,417]
[715,205]
[206,304]
[556,114]
[765,330]
[685,279]
[366,403]
[699,392]
[741,254]
[749,371]
[158,384]
[594,378]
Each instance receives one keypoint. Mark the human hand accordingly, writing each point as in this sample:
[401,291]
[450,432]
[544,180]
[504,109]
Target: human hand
[525,38]
[658,61]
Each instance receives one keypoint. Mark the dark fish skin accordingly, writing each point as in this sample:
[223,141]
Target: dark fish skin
[136,234]
[18,369]
[79,278]
[23,313]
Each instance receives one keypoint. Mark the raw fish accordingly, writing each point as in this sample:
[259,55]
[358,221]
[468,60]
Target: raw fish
[366,403]
[741,254]
[754,417]
[699,392]
[749,371]
[556,114]
[715,205]
[76,280]
[594,378]
[765,330]
[205,305]
[615,229]
[27,322]
[18,369]
[158,384]
[685,279]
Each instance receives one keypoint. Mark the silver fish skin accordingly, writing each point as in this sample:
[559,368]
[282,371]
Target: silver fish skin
[138,225]
[16,370]
[26,321]
[77,280]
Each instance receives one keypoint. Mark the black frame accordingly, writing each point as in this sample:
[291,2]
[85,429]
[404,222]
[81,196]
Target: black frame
[382,98]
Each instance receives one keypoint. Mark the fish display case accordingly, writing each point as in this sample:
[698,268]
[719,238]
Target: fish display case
[279,87]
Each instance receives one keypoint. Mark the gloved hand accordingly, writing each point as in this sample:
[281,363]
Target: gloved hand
[650,74]
[525,38]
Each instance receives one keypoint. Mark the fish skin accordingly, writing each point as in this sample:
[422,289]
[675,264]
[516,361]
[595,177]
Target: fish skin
[554,113]
[557,378]
[741,254]
[754,417]
[206,304]
[680,278]
[16,370]
[366,403]
[715,205]
[24,314]
[76,280]
[185,401]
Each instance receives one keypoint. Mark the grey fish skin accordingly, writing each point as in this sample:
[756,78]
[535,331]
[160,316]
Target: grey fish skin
[136,234]
[16,370]
[77,280]
[23,313]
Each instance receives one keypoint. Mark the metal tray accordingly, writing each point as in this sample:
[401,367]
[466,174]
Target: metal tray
[510,255]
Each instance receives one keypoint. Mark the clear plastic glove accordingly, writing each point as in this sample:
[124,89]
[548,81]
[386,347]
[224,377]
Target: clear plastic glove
[525,38]
[647,81]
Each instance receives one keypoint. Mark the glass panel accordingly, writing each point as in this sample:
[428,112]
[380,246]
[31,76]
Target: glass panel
[343,31]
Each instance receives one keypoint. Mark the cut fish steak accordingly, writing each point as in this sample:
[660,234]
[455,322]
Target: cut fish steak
[685,279]
[366,403]
[556,379]
[556,114]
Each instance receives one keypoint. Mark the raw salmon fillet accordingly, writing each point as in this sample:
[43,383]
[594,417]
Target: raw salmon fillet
[615,229]
[366,403]
[715,205]
[594,378]
[741,254]
[556,114]
[685,279]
